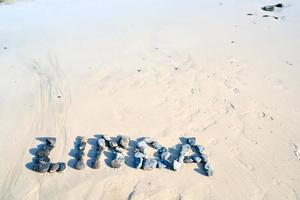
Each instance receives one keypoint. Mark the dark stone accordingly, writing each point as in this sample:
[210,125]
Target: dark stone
[43,160]
[156,145]
[138,162]
[204,158]
[41,167]
[112,144]
[141,145]
[268,8]
[62,167]
[188,159]
[80,164]
[279,5]
[101,143]
[51,141]
[43,153]
[209,169]
[149,164]
[124,142]
[53,167]
[192,141]
[96,164]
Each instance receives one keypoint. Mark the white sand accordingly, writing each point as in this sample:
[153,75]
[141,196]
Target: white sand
[241,100]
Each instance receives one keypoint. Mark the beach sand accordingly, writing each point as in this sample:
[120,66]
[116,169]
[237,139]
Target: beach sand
[215,70]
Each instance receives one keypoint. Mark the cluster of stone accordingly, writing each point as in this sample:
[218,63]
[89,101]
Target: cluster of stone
[100,148]
[140,156]
[118,147]
[192,145]
[42,160]
[80,163]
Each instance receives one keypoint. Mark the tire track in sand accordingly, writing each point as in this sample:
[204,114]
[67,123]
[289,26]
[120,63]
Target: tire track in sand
[48,118]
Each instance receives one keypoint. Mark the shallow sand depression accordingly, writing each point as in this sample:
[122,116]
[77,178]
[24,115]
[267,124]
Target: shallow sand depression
[215,70]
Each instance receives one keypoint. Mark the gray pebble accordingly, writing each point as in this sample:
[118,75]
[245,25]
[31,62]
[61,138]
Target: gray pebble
[106,138]
[80,164]
[43,160]
[268,8]
[139,154]
[192,141]
[112,144]
[200,149]
[161,165]
[165,155]
[141,145]
[149,164]
[119,149]
[101,143]
[156,145]
[96,164]
[181,158]
[196,159]
[204,158]
[148,140]
[62,167]
[188,159]
[43,153]
[51,141]
[209,169]
[176,165]
[124,142]
[138,163]
[185,149]
[118,161]
[41,167]
[81,145]
[53,167]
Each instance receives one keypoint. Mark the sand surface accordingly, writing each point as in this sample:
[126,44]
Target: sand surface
[164,69]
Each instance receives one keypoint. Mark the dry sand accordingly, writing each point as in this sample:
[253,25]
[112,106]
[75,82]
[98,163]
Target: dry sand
[164,69]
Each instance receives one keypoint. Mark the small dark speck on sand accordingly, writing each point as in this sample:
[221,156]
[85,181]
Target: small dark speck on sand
[156,48]
[232,41]
[249,14]
[4,47]
[139,70]
[58,96]
[175,68]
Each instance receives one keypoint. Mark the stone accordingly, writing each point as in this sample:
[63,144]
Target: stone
[43,153]
[279,5]
[149,164]
[192,141]
[176,165]
[106,138]
[98,154]
[188,159]
[138,162]
[148,140]
[41,167]
[141,145]
[80,154]
[181,158]
[83,139]
[156,145]
[80,164]
[196,159]
[112,144]
[268,8]
[124,142]
[51,141]
[43,160]
[53,167]
[161,164]
[185,149]
[200,149]
[118,161]
[204,158]
[209,169]
[96,164]
[62,167]
[119,149]
[139,154]
[101,143]
[165,155]
[162,150]
[81,145]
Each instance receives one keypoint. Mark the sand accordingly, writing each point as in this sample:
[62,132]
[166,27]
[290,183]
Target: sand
[163,69]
